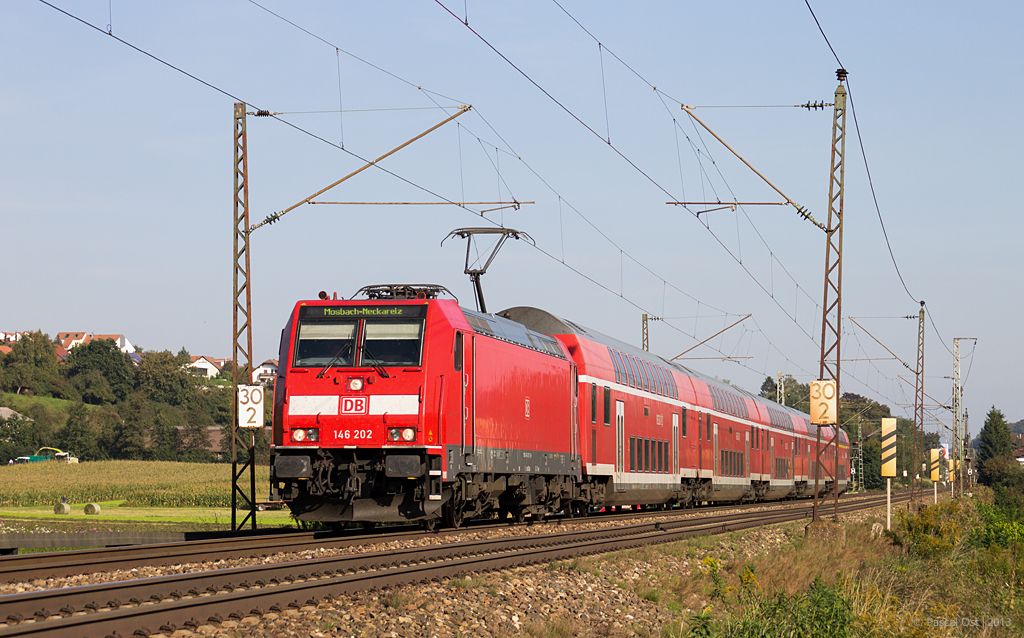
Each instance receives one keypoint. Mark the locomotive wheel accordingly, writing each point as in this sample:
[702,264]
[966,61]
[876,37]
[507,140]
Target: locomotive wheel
[428,524]
[519,515]
[453,513]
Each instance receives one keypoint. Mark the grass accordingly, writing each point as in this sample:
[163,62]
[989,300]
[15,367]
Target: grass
[21,403]
[135,483]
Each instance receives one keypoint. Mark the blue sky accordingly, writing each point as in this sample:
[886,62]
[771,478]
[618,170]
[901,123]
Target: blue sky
[116,175]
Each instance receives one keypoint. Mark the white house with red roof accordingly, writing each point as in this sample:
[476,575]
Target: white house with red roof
[71,339]
[207,366]
[265,371]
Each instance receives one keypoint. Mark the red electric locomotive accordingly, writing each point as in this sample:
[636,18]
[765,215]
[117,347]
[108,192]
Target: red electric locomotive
[401,406]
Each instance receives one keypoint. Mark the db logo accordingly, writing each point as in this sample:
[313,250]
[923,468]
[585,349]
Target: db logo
[353,405]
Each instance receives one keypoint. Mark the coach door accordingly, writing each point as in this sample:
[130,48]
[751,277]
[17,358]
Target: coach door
[746,457]
[675,443]
[620,437]
[714,448]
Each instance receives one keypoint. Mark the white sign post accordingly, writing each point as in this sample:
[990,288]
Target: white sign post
[250,406]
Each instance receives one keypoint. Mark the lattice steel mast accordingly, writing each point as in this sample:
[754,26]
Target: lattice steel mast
[918,446]
[832,306]
[241,329]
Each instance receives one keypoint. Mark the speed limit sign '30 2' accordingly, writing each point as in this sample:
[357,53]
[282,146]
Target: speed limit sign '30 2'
[823,402]
[250,406]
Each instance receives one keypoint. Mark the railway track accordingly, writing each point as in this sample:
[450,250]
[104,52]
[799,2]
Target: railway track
[26,567]
[168,603]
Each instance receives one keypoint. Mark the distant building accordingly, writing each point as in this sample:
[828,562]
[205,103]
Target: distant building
[71,339]
[207,366]
[265,372]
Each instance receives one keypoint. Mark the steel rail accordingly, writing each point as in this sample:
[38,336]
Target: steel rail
[214,594]
[20,568]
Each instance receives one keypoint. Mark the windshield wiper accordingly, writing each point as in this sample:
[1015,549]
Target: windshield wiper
[379,369]
[342,351]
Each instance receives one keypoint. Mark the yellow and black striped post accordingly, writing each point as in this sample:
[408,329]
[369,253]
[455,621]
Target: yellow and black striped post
[888,464]
[935,473]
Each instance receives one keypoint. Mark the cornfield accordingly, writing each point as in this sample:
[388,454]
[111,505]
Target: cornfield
[138,483]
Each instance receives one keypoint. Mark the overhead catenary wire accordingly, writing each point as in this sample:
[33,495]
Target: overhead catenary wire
[300,129]
[322,139]
[871,184]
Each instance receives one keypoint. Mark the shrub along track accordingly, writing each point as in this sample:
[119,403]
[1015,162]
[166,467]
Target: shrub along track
[27,567]
[167,603]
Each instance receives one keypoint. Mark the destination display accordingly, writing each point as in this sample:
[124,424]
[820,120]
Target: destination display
[378,311]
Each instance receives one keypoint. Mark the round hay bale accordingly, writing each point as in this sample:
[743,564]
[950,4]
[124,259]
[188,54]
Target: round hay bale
[61,508]
[92,508]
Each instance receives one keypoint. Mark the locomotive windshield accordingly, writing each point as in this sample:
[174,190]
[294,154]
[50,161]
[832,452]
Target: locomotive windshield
[392,343]
[325,342]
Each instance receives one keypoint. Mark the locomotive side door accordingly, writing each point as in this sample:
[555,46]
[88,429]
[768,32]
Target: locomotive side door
[468,430]
[620,436]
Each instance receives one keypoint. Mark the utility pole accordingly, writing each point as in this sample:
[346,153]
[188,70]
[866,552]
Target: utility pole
[963,455]
[832,306]
[644,340]
[241,329]
[918,400]
[780,390]
[956,397]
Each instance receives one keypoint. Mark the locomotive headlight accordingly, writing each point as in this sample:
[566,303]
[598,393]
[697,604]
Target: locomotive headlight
[298,435]
[408,434]
[355,384]
[313,435]
[394,434]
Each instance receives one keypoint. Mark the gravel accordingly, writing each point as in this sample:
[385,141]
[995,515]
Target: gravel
[570,599]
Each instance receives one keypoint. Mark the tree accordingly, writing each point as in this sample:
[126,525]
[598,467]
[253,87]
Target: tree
[162,377]
[165,433]
[130,434]
[872,451]
[995,442]
[31,366]
[78,435]
[103,357]
[195,440]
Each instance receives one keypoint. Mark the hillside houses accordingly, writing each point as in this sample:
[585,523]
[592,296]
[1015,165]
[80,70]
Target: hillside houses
[203,365]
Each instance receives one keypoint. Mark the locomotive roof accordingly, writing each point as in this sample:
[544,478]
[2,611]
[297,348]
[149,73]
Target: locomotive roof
[544,322]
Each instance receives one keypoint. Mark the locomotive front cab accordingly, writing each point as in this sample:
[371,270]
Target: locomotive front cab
[352,440]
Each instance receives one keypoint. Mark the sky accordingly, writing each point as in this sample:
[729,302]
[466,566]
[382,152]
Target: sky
[116,178]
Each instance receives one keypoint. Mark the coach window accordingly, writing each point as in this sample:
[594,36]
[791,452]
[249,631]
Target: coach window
[639,381]
[647,455]
[607,405]
[650,375]
[643,372]
[624,360]
[682,418]
[615,364]
[636,373]
[632,454]
[323,343]
[593,403]
[709,429]
[657,378]
[661,456]
[700,422]
[392,343]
